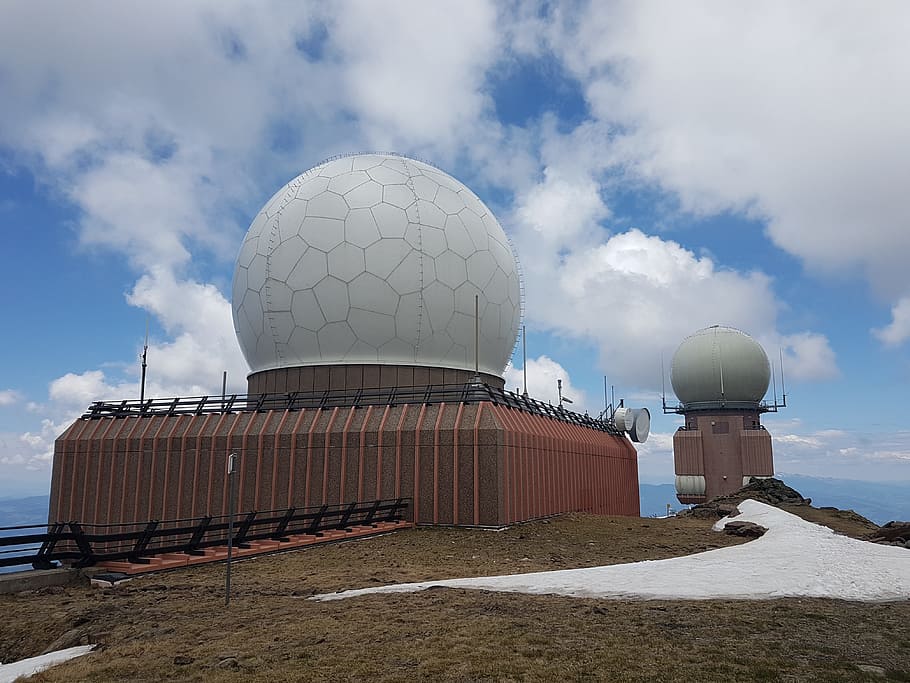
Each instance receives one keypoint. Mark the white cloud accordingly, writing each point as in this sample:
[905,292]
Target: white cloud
[9,397]
[543,373]
[655,458]
[636,296]
[414,71]
[78,390]
[791,112]
[898,330]
[807,356]
[198,318]
[561,210]
[880,456]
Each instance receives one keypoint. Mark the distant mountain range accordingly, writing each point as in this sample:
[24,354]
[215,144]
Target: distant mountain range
[879,502]
[18,511]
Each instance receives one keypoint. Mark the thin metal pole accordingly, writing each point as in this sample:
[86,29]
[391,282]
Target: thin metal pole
[774,384]
[476,338]
[232,458]
[145,351]
[524,360]
[783,385]
[223,387]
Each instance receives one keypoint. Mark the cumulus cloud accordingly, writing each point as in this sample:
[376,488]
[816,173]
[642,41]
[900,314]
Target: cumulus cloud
[806,356]
[832,453]
[543,374]
[637,295]
[883,456]
[9,397]
[762,109]
[414,70]
[898,330]
[655,458]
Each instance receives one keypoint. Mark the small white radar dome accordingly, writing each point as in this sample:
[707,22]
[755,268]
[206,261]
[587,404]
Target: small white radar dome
[720,366]
[375,258]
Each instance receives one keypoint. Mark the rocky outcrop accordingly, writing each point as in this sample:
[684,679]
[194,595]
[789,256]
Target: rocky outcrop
[770,491]
[892,533]
[744,529]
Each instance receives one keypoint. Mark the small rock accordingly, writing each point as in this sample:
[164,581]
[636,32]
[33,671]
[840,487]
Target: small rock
[745,529]
[871,669]
[69,639]
[228,663]
[182,660]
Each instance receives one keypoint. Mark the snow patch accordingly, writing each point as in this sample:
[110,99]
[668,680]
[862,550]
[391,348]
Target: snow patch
[32,665]
[794,558]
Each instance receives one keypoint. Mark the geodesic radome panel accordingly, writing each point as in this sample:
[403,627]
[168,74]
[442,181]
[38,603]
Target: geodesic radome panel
[375,258]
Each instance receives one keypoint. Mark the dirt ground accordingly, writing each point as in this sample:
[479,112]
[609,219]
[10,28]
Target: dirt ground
[175,626]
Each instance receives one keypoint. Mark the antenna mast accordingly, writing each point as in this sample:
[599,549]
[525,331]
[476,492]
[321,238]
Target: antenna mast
[774,384]
[783,387]
[722,395]
[476,339]
[145,351]
[524,359]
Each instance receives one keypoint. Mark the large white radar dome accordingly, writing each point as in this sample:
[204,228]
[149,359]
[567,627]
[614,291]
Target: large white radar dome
[375,258]
[720,366]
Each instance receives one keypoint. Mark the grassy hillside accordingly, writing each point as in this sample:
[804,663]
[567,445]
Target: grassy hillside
[175,626]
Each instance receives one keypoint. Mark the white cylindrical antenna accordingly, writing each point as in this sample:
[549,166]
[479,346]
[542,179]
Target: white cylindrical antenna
[606,407]
[663,383]
[524,359]
[559,391]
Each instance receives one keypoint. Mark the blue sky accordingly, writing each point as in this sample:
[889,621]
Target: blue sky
[658,167]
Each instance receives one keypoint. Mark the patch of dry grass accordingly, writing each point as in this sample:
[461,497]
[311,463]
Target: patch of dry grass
[175,625]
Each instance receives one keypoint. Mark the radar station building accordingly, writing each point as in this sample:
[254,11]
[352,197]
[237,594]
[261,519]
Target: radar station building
[377,301]
[720,376]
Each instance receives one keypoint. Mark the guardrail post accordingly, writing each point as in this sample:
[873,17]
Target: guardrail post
[83,544]
[368,521]
[343,522]
[282,527]
[192,548]
[394,514]
[145,537]
[42,560]
[315,528]
[240,537]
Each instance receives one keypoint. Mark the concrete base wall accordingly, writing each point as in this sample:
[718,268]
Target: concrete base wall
[316,378]
[465,464]
[32,580]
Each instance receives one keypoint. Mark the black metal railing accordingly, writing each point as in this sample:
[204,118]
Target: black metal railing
[354,398]
[83,545]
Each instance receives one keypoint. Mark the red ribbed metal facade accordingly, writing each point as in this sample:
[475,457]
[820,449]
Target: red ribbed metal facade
[460,463]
